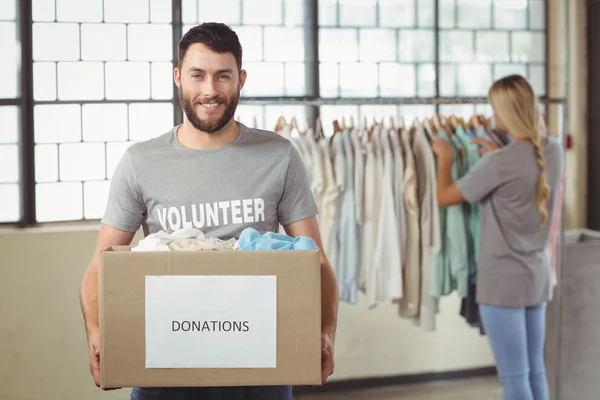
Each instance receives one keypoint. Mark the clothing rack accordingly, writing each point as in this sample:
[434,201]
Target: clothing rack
[310,101]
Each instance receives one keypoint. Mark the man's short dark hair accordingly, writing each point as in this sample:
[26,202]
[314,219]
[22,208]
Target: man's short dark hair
[218,37]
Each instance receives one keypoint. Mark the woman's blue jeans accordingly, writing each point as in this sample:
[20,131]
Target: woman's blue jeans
[216,393]
[517,338]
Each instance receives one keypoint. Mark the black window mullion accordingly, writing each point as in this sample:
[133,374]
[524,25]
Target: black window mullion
[177,32]
[27,138]
[311,56]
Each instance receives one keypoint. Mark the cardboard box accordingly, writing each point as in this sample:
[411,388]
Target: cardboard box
[209,318]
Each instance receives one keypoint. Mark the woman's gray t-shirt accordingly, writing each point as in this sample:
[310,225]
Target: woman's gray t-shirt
[513,267]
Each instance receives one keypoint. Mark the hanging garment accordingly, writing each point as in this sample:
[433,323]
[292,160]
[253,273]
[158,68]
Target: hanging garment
[398,192]
[339,167]
[329,200]
[359,174]
[410,305]
[315,163]
[370,211]
[429,225]
[385,282]
[186,239]
[348,260]
[251,239]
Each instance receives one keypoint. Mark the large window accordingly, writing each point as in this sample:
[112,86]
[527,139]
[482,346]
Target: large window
[103,75]
[9,112]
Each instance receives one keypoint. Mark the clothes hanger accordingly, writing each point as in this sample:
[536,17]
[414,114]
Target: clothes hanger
[336,129]
[318,129]
[437,123]
[280,124]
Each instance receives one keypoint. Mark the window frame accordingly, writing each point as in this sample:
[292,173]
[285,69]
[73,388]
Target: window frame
[312,100]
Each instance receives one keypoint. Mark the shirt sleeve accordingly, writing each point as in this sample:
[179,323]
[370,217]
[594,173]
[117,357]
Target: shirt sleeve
[125,209]
[480,181]
[297,201]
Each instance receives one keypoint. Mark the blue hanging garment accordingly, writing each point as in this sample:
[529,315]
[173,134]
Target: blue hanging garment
[251,239]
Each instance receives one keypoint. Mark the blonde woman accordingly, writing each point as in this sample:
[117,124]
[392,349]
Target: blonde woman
[514,186]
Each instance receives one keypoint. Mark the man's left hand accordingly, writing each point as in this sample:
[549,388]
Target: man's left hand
[327,363]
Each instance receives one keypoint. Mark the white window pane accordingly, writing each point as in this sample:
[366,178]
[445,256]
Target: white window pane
[328,12]
[537,14]
[59,201]
[44,81]
[147,121]
[272,114]
[104,122]
[80,81]
[82,161]
[358,79]
[284,44]
[114,153]
[264,79]
[9,124]
[426,80]
[127,80]
[358,12]
[378,113]
[251,39]
[465,111]
[150,42]
[417,45]
[397,13]
[331,113]
[338,45]
[9,163]
[446,13]
[474,79]
[45,39]
[57,123]
[225,11]
[492,47]
[9,84]
[43,10]
[46,163]
[456,46]
[250,115]
[269,12]
[95,197]
[126,11]
[295,79]
[474,13]
[9,203]
[329,79]
[397,80]
[377,45]
[162,80]
[502,70]
[410,112]
[538,79]
[79,11]
[103,42]
[8,10]
[294,13]
[448,80]
[528,47]
[161,11]
[484,109]
[510,14]
[426,13]
[10,60]
[189,11]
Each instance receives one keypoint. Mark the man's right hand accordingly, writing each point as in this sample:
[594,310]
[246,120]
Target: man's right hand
[94,353]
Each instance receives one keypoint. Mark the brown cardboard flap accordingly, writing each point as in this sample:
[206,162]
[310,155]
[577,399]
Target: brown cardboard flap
[122,315]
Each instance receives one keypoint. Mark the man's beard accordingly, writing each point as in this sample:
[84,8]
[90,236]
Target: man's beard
[208,125]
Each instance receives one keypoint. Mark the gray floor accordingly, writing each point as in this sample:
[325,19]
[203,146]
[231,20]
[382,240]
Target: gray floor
[479,389]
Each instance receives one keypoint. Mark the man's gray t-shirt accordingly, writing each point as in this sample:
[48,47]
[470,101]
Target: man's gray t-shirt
[513,268]
[258,180]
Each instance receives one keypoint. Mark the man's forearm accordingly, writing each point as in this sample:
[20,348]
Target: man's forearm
[329,300]
[88,297]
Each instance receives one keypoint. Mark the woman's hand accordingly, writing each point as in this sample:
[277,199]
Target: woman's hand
[485,146]
[441,148]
